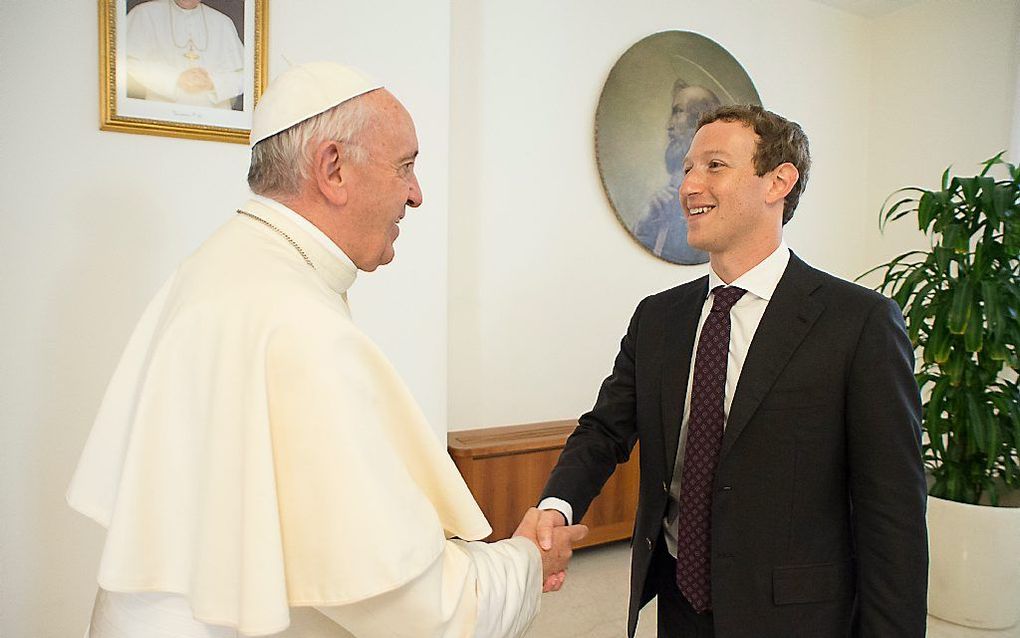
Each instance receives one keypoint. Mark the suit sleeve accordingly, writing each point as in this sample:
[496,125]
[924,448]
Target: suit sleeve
[473,589]
[887,484]
[604,436]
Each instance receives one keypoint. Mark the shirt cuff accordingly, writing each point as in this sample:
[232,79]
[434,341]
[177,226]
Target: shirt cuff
[558,504]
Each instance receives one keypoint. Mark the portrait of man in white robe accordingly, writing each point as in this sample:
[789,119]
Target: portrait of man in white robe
[186,52]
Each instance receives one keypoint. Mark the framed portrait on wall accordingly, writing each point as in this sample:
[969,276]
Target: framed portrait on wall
[181,68]
[645,120]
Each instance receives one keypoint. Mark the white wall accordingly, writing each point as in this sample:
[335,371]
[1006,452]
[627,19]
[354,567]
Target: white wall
[944,81]
[543,278]
[94,221]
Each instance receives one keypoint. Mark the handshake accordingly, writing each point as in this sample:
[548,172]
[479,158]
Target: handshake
[548,530]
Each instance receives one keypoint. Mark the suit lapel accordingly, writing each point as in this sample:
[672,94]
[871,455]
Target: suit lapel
[787,320]
[678,346]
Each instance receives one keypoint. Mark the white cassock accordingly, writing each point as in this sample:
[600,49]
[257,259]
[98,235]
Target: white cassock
[258,461]
[164,40]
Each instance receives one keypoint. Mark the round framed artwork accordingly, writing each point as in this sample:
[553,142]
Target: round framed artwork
[644,123]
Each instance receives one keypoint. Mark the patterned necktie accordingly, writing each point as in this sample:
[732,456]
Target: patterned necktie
[701,454]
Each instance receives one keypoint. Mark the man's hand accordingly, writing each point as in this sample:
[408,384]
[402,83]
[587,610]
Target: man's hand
[547,521]
[195,80]
[559,539]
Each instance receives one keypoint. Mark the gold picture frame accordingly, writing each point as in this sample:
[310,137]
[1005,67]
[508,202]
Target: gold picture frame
[138,94]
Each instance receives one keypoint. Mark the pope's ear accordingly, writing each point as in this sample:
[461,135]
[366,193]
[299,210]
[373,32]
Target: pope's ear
[784,177]
[329,172]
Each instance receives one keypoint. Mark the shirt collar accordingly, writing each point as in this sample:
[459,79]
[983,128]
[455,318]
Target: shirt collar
[760,281]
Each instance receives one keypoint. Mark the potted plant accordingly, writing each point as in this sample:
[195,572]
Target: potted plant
[961,305]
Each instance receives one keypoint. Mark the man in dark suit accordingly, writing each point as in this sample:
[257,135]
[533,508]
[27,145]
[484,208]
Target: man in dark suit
[782,487]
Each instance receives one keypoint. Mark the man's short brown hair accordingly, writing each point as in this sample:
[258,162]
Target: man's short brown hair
[779,141]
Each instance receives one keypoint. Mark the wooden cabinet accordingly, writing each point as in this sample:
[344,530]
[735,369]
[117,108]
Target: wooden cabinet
[506,469]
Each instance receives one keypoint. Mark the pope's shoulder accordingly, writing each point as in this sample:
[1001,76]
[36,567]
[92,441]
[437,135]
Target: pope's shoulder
[240,275]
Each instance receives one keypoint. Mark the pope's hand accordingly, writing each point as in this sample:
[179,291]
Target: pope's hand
[556,546]
[195,80]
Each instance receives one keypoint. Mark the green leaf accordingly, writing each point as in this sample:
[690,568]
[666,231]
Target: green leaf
[989,163]
[907,286]
[1011,235]
[993,307]
[939,343]
[956,238]
[896,262]
[959,311]
[979,422]
[918,310]
[956,366]
[994,349]
[974,334]
[1003,197]
[969,188]
[945,178]
[943,257]
[926,210]
[887,211]
[987,194]
[897,211]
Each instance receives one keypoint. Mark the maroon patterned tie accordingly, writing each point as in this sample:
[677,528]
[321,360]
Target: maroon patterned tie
[704,437]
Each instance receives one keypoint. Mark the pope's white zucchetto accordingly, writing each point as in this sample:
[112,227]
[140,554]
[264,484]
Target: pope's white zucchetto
[304,91]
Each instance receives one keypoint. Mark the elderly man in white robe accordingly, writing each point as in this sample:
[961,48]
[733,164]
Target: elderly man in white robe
[185,52]
[259,466]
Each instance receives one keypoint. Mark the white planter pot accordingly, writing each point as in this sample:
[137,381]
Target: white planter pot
[974,572]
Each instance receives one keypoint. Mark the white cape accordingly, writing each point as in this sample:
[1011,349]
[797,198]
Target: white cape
[255,450]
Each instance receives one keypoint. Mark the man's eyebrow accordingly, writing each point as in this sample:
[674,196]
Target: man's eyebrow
[409,156]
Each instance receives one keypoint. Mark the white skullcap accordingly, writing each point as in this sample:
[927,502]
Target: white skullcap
[304,91]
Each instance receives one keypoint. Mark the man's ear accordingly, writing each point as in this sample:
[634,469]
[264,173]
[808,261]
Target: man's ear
[784,177]
[329,172]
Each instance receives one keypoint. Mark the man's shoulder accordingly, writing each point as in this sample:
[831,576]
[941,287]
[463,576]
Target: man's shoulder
[832,287]
[838,285]
[667,300]
[676,293]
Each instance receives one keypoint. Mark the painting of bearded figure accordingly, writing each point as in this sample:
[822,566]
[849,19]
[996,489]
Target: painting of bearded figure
[645,121]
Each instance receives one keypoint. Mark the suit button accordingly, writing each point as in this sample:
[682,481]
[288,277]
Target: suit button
[727,488]
[648,541]
[665,488]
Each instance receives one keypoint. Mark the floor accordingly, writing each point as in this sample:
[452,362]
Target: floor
[593,603]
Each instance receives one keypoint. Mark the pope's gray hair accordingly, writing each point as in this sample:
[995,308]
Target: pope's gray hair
[281,163]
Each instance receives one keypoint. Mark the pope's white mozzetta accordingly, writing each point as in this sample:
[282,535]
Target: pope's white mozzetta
[256,451]
[259,466]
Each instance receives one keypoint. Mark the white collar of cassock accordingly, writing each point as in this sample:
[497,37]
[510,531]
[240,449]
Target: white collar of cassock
[760,281]
[332,262]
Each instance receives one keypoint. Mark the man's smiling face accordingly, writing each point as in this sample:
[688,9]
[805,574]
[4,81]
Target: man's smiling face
[721,196]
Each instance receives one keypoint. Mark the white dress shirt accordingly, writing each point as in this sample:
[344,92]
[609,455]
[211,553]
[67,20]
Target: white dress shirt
[760,283]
